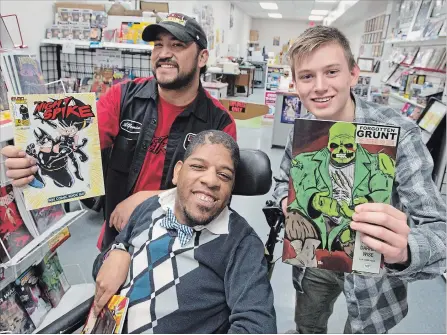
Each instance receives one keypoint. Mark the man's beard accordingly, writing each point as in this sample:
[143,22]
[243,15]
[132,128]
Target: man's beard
[181,81]
[192,222]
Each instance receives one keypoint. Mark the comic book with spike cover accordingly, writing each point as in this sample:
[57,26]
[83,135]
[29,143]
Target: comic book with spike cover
[336,166]
[60,131]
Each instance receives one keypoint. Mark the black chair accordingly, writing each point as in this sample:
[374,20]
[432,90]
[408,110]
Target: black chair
[253,177]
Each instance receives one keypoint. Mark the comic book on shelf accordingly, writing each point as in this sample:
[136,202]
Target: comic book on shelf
[61,132]
[110,320]
[32,297]
[13,317]
[336,166]
[45,217]
[14,234]
[52,278]
[4,103]
[30,77]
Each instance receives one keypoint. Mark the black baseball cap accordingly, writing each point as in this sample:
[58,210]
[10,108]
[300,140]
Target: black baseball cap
[184,28]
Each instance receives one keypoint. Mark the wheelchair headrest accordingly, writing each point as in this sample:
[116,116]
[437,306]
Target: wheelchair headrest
[254,174]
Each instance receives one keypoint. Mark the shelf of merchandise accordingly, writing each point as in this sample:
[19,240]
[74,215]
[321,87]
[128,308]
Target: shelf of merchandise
[105,45]
[401,98]
[439,41]
[41,240]
[75,296]
[6,132]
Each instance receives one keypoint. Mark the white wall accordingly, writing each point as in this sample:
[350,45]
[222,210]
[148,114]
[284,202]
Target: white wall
[353,33]
[269,28]
[34,16]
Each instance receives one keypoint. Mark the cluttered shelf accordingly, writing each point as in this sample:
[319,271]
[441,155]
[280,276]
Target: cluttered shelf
[438,41]
[403,99]
[106,45]
[75,296]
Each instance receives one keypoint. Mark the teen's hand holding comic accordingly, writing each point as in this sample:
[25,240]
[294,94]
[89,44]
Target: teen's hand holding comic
[383,228]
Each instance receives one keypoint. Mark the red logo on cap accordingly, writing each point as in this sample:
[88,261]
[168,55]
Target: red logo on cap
[177,16]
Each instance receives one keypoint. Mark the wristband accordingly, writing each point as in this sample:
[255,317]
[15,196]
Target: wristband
[117,246]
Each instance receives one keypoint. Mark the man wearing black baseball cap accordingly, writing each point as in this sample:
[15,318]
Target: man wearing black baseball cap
[184,28]
[147,123]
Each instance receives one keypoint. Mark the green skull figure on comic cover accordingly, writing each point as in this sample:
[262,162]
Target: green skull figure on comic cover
[328,184]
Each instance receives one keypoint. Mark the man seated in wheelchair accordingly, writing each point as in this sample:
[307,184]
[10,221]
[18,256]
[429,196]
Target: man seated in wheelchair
[186,261]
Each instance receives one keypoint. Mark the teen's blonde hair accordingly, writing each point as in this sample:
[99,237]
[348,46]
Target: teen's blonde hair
[315,37]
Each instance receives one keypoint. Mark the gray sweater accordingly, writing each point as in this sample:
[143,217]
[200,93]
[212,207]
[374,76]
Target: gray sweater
[217,282]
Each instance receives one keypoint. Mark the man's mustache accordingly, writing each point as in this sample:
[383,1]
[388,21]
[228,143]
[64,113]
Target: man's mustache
[169,61]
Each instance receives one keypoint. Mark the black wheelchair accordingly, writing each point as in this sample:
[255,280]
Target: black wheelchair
[253,178]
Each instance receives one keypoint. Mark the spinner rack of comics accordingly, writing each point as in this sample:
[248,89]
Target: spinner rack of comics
[34,290]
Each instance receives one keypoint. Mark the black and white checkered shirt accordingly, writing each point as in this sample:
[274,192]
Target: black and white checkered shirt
[377,304]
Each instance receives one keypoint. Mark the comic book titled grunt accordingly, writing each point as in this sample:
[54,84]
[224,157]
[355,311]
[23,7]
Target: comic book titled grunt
[335,167]
[60,131]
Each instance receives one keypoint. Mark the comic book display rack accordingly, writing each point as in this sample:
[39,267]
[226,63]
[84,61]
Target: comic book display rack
[33,288]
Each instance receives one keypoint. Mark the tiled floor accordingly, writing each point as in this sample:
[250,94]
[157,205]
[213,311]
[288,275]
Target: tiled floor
[427,299]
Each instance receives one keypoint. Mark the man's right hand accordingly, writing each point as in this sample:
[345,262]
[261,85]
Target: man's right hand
[111,276]
[21,168]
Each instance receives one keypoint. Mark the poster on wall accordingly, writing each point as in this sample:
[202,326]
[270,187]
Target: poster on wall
[276,40]
[290,109]
[270,101]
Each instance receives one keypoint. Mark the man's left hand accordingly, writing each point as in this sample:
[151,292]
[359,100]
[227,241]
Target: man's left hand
[384,229]
[121,215]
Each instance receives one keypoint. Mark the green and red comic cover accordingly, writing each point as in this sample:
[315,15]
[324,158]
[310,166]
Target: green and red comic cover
[336,166]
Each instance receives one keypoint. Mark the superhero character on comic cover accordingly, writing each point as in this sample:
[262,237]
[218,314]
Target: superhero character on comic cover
[68,117]
[13,231]
[326,185]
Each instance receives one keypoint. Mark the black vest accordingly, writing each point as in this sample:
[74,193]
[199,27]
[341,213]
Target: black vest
[138,121]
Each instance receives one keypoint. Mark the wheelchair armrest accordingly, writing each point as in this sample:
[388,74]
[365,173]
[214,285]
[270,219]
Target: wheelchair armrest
[70,322]
[254,174]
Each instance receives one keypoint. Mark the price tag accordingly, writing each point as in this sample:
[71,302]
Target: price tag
[69,48]
[59,238]
[95,44]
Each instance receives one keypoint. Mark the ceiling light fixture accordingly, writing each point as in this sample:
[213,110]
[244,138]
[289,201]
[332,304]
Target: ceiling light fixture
[276,15]
[269,5]
[316,18]
[319,12]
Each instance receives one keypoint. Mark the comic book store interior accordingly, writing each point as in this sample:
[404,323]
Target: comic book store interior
[223,166]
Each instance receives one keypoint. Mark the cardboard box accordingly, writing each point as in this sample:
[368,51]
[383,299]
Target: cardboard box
[80,5]
[244,110]
[254,35]
[158,7]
